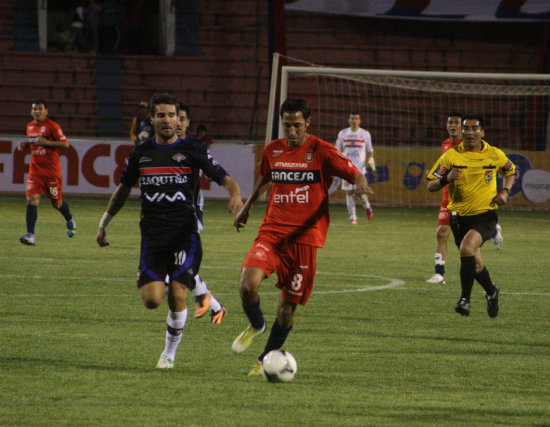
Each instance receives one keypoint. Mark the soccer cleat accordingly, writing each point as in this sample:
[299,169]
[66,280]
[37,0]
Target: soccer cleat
[353,222]
[492,303]
[497,239]
[243,341]
[217,316]
[165,363]
[28,239]
[370,213]
[256,369]
[202,304]
[463,307]
[436,278]
[71,227]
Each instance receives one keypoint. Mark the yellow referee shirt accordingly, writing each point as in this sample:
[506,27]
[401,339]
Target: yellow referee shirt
[473,192]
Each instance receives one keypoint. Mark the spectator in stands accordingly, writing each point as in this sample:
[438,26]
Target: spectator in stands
[142,126]
[77,26]
[92,20]
[202,135]
[61,38]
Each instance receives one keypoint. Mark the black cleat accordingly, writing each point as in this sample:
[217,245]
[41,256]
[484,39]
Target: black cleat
[492,303]
[463,307]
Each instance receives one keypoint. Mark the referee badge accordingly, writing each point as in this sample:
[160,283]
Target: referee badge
[488,176]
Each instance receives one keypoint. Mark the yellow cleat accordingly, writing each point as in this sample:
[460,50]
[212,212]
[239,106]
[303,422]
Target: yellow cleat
[256,369]
[243,341]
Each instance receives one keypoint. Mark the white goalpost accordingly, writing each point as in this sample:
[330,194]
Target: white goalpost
[406,113]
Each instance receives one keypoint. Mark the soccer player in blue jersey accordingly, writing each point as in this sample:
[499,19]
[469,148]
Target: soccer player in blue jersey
[167,169]
[204,299]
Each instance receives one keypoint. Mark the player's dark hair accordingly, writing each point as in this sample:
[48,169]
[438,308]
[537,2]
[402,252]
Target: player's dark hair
[477,117]
[454,114]
[163,98]
[355,113]
[39,101]
[294,105]
[184,107]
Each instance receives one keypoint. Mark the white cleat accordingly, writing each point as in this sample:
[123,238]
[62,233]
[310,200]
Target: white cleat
[497,239]
[436,278]
[165,363]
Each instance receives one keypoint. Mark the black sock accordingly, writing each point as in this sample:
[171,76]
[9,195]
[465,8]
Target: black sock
[277,338]
[440,269]
[32,214]
[64,209]
[255,316]
[467,274]
[485,280]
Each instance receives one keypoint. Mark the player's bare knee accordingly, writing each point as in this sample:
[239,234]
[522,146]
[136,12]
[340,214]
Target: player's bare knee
[151,303]
[443,232]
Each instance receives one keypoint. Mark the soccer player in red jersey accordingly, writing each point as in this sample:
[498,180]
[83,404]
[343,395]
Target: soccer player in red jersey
[45,138]
[300,167]
[454,128]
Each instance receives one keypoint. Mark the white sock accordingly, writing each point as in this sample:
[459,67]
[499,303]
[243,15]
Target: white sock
[350,203]
[201,289]
[365,201]
[175,322]
[439,259]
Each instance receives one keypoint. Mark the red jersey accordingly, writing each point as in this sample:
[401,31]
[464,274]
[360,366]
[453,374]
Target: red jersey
[45,160]
[298,208]
[445,145]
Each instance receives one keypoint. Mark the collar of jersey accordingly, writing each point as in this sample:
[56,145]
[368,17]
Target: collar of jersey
[176,142]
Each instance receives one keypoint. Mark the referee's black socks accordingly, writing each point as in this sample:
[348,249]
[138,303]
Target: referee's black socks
[484,280]
[467,275]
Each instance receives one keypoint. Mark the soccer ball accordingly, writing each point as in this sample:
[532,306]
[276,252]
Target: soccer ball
[279,366]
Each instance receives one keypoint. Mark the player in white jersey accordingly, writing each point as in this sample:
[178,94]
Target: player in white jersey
[355,142]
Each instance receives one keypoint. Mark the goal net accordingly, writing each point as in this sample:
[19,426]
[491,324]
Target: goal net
[406,114]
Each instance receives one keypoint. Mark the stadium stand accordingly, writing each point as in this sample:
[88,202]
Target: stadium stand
[227,83]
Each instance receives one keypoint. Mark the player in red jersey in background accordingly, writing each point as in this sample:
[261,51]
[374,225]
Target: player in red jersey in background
[454,128]
[300,168]
[45,137]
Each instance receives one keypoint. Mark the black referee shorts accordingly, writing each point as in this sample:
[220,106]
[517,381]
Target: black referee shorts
[484,223]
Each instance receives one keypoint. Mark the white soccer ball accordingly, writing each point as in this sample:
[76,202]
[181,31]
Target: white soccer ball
[279,366]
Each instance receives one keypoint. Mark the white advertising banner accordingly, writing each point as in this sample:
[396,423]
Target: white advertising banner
[459,10]
[94,166]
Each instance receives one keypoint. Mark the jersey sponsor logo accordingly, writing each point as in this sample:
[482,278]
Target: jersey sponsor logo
[290,165]
[283,176]
[162,179]
[440,171]
[488,176]
[157,197]
[300,196]
[39,151]
[145,159]
[277,153]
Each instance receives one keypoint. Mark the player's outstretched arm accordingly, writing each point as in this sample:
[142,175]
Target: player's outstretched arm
[242,216]
[116,203]
[362,184]
[235,202]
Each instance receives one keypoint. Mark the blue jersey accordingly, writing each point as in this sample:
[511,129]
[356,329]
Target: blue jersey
[168,177]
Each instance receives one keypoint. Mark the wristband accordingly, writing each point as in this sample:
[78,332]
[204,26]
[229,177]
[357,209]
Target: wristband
[443,181]
[105,220]
[505,189]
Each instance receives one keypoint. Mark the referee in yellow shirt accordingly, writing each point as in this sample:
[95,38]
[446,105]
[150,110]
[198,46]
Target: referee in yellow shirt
[470,170]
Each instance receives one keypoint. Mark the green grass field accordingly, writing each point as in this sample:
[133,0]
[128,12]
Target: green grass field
[376,344]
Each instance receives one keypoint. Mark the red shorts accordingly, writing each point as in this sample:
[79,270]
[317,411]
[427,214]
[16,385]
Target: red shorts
[295,265]
[51,186]
[444,217]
